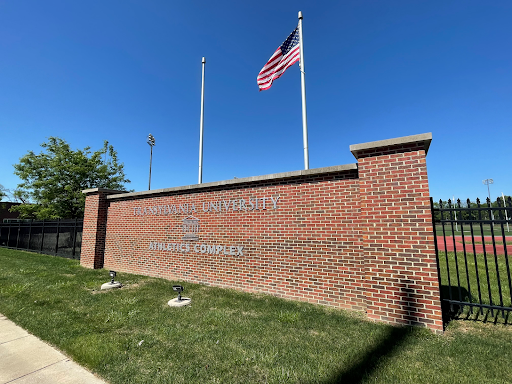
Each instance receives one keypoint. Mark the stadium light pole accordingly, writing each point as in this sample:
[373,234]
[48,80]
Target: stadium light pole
[488,182]
[454,206]
[505,206]
[151,142]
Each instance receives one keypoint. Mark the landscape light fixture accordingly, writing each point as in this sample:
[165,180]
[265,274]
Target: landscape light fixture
[112,283]
[178,301]
[179,289]
[151,142]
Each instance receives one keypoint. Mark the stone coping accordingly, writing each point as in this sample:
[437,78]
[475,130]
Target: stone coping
[423,138]
[102,190]
[252,179]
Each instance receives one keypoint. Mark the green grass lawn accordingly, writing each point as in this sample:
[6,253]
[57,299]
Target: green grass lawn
[465,277]
[130,335]
[477,230]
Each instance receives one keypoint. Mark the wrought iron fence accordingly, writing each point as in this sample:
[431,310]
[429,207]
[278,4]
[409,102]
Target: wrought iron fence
[61,237]
[472,245]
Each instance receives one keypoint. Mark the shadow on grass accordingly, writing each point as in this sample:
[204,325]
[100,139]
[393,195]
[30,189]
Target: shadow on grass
[466,312]
[395,339]
[452,311]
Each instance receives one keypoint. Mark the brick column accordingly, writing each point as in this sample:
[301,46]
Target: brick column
[95,226]
[401,277]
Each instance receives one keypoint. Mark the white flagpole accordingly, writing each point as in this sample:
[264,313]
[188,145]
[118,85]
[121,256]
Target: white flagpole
[303,89]
[201,125]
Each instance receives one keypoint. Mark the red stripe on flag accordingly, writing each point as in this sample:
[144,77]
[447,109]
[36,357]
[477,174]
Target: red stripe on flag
[276,66]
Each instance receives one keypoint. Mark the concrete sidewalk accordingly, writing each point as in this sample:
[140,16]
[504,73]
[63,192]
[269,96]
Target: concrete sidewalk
[24,359]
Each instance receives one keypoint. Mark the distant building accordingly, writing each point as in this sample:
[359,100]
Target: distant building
[5,215]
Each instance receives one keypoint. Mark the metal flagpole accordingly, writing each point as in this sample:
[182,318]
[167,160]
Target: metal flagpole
[303,88]
[201,125]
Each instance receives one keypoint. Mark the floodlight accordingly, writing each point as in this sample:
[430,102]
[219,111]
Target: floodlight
[178,301]
[151,139]
[112,283]
[179,289]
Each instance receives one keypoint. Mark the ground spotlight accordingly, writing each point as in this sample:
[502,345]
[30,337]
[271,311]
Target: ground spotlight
[178,301]
[179,289]
[112,283]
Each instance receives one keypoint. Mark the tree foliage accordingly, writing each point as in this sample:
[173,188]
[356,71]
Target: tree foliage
[7,194]
[53,181]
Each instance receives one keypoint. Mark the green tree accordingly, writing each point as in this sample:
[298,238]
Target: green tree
[53,181]
[6,194]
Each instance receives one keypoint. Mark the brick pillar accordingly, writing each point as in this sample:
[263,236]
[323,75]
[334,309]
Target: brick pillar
[401,277]
[95,227]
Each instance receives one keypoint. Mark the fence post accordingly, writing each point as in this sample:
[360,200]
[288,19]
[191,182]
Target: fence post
[42,238]
[434,222]
[81,239]
[29,233]
[18,235]
[57,241]
[9,235]
[74,238]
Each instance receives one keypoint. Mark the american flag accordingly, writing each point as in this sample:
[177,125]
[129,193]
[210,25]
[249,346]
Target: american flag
[283,58]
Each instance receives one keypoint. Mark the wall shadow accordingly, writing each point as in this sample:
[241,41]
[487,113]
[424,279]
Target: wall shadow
[396,338]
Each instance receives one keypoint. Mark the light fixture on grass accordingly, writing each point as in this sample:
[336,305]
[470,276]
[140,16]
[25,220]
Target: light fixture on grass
[178,301]
[179,289]
[112,283]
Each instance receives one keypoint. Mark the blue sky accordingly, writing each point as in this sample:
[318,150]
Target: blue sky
[88,71]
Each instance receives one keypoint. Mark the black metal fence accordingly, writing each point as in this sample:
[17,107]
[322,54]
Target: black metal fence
[473,244]
[53,237]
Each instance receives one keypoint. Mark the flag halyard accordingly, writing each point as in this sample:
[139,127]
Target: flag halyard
[283,58]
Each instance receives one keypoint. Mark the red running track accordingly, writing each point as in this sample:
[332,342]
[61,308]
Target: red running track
[450,246]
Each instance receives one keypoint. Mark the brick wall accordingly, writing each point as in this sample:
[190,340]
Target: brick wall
[95,225]
[357,237]
[396,224]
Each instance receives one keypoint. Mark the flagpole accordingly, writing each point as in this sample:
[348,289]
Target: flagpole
[303,89]
[201,125]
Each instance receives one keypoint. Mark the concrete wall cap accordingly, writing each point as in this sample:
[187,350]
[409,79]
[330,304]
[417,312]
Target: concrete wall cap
[423,138]
[101,190]
[252,179]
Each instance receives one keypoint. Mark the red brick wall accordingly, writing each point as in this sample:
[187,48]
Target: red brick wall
[95,225]
[359,239]
[396,223]
[309,248]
